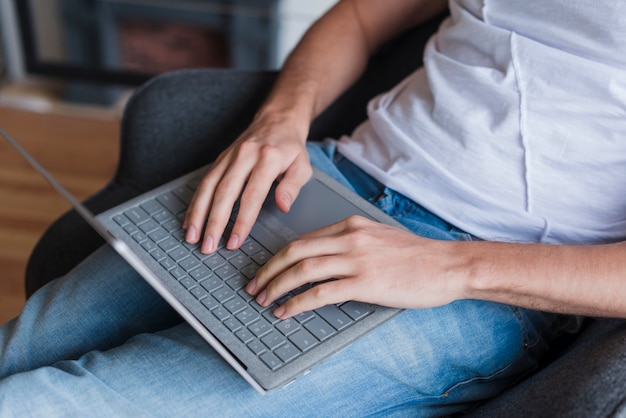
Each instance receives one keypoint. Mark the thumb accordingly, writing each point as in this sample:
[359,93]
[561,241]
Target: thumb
[296,176]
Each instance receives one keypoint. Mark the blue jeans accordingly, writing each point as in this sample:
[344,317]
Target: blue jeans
[100,341]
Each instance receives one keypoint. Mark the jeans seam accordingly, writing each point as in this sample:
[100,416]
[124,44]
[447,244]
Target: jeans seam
[524,330]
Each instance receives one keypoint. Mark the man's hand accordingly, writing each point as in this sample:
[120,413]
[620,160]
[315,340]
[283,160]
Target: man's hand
[271,149]
[371,262]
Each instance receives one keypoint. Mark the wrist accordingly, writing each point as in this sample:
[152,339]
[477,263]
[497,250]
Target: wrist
[472,274]
[294,117]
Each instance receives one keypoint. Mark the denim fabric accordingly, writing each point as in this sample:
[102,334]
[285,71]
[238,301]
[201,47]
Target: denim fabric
[100,341]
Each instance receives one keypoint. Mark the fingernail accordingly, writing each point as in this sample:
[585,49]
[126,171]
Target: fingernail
[280,311]
[261,298]
[207,247]
[233,242]
[287,199]
[192,234]
[251,287]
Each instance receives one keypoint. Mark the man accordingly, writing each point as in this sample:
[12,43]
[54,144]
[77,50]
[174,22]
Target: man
[467,153]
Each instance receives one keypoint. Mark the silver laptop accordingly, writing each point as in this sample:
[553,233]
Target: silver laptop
[208,290]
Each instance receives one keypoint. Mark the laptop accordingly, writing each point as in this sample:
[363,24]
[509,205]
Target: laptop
[208,290]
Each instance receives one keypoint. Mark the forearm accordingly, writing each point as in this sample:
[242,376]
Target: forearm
[335,50]
[586,280]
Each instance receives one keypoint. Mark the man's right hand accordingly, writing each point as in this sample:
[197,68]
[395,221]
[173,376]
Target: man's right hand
[272,148]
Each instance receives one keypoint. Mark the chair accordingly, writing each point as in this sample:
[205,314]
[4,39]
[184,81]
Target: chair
[161,140]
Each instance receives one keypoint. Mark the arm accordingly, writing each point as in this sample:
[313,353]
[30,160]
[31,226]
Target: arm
[379,264]
[329,59]
[585,280]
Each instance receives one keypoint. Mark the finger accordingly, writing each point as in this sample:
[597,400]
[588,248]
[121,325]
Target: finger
[254,194]
[314,244]
[297,251]
[331,292]
[226,194]
[294,178]
[198,209]
[310,270]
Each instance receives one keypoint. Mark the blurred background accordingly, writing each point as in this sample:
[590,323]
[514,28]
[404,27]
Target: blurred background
[68,66]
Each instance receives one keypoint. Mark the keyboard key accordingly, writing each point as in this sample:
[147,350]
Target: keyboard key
[214,261]
[258,307]
[260,327]
[179,254]
[256,347]
[179,235]
[237,282]
[250,270]
[287,326]
[270,360]
[261,257]
[223,294]
[232,324]
[245,295]
[269,315]
[250,246]
[172,225]
[303,340]
[304,316]
[225,272]
[319,328]
[177,273]
[201,273]
[212,283]
[357,310]
[152,206]
[235,305]
[244,335]
[273,340]
[158,235]
[199,292]
[140,237]
[168,263]
[240,261]
[163,216]
[287,352]
[130,229]
[148,246]
[220,313]
[171,202]
[187,282]
[137,215]
[121,220]
[334,316]
[149,226]
[210,302]
[227,254]
[247,316]
[189,263]
[168,244]
[158,254]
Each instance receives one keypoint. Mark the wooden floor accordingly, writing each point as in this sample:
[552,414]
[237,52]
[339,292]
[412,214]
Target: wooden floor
[79,148]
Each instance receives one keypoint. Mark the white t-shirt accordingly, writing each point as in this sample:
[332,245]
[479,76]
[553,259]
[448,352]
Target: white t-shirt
[515,128]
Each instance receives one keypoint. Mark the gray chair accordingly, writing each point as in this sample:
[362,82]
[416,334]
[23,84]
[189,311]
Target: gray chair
[161,140]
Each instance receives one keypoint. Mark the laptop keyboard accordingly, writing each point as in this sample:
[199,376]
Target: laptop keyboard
[218,280]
